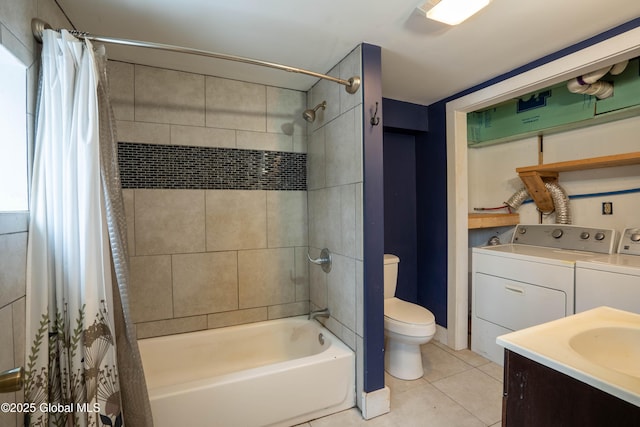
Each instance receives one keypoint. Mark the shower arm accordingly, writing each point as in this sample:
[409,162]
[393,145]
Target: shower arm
[351,85]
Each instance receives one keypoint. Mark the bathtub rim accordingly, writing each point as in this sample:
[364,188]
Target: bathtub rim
[336,350]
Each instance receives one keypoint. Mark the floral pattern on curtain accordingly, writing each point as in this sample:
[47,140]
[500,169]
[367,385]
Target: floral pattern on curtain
[71,373]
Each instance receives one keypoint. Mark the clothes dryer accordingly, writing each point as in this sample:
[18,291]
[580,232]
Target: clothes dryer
[612,280]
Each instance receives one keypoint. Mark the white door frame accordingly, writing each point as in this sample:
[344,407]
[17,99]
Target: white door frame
[602,54]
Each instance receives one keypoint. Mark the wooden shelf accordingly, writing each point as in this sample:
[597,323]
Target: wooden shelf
[534,177]
[584,164]
[486,220]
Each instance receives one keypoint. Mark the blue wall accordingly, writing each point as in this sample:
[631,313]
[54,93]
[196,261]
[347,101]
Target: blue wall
[373,226]
[400,235]
[431,186]
[415,177]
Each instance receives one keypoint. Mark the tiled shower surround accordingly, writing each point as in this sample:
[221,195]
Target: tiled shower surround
[210,249]
[335,182]
[209,257]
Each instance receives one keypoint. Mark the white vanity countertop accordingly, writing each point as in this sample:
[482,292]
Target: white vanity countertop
[600,347]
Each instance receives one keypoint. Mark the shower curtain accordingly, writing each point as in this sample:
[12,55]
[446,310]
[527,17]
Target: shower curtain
[83,366]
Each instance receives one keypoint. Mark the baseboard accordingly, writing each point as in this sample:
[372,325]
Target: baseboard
[441,335]
[376,403]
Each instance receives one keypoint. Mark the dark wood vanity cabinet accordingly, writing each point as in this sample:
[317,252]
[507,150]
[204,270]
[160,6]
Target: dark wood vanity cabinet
[538,396]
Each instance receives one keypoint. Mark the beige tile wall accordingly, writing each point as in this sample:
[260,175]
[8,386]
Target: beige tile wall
[222,253]
[334,178]
[211,258]
[159,106]
[334,172]
[13,260]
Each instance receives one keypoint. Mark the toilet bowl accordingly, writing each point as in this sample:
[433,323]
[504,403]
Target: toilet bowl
[406,327]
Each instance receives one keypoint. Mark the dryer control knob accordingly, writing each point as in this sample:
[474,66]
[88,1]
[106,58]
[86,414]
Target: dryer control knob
[585,235]
[557,233]
[599,235]
[635,237]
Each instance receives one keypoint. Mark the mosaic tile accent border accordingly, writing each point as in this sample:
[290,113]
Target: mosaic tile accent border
[209,168]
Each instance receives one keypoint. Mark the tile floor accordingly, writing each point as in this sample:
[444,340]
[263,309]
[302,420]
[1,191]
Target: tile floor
[459,388]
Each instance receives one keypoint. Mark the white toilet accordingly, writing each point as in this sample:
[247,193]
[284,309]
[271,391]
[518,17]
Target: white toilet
[406,327]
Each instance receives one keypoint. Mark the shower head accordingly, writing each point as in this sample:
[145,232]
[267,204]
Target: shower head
[310,114]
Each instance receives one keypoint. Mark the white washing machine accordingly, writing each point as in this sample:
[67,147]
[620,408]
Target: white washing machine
[528,281]
[612,280]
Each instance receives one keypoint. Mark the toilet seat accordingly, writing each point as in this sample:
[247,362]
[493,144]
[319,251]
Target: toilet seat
[405,318]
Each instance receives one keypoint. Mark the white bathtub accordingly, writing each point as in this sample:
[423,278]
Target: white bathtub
[273,373]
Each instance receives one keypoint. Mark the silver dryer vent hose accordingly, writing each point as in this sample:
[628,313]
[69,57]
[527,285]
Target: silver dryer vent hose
[560,202]
[518,198]
[558,196]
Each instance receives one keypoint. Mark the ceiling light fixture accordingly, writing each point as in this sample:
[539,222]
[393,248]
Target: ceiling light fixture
[451,12]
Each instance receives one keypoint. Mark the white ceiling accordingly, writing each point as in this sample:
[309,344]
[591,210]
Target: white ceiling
[422,61]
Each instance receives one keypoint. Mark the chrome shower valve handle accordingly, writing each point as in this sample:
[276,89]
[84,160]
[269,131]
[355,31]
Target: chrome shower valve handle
[324,261]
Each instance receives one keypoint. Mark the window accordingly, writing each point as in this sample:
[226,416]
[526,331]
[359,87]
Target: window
[13,134]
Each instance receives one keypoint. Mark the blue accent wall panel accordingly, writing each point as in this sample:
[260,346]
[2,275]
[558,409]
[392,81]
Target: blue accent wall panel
[405,116]
[431,206]
[373,221]
[400,235]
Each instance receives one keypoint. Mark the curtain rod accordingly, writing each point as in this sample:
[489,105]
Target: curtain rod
[38,26]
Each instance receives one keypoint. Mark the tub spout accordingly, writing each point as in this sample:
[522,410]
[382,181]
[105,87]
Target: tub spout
[319,313]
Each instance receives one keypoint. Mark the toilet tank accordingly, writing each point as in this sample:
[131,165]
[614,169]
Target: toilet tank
[390,275]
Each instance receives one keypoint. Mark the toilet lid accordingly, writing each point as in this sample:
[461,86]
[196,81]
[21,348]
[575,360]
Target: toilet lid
[406,312]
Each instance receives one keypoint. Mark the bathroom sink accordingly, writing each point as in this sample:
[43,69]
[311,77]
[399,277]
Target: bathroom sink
[600,347]
[616,348]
